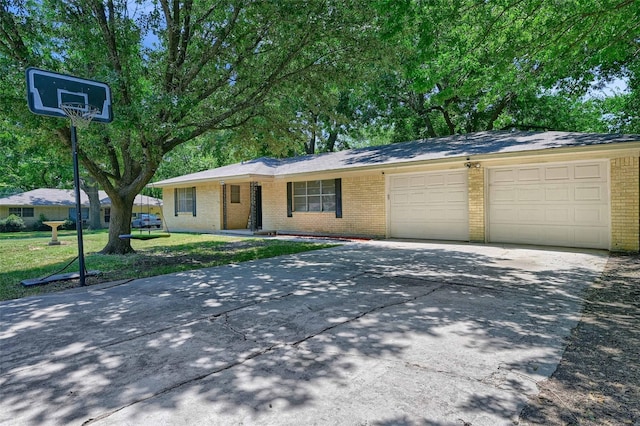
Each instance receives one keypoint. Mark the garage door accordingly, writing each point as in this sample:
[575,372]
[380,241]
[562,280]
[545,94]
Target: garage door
[429,205]
[553,204]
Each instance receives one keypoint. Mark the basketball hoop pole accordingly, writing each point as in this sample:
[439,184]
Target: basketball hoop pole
[76,185]
[80,115]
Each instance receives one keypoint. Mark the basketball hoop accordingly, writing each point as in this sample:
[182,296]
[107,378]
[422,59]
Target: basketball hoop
[79,113]
[61,95]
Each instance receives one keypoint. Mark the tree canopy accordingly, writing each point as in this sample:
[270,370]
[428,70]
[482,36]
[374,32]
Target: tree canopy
[471,66]
[177,71]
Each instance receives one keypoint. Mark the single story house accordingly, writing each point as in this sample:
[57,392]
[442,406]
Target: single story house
[545,188]
[60,204]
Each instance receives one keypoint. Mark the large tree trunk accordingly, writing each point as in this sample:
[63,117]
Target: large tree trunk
[90,187]
[120,224]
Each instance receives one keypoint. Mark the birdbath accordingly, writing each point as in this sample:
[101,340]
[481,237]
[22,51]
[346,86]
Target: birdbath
[54,231]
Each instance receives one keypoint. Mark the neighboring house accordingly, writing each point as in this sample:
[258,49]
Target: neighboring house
[60,204]
[548,188]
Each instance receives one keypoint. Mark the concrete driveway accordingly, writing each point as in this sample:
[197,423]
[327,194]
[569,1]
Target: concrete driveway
[371,333]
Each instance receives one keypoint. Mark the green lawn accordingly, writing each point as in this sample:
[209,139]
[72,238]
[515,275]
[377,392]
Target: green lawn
[28,255]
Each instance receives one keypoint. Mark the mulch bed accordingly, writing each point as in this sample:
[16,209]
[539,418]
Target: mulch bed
[598,380]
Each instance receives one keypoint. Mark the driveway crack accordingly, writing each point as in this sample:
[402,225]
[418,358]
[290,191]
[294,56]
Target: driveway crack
[367,312]
[88,350]
[228,326]
[258,353]
[249,357]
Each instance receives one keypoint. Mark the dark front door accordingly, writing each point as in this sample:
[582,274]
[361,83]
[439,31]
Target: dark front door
[258,218]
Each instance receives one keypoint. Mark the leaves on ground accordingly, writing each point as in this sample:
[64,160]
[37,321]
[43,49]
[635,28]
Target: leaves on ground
[598,379]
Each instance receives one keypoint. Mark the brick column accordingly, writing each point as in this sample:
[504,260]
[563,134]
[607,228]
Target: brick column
[476,204]
[625,204]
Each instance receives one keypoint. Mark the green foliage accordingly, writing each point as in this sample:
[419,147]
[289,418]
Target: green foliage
[39,225]
[68,225]
[30,160]
[177,71]
[12,223]
[471,66]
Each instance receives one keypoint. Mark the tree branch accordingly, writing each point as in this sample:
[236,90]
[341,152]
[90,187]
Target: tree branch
[11,42]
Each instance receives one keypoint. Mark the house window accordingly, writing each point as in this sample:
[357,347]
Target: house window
[21,211]
[235,193]
[314,196]
[107,215]
[185,200]
[84,213]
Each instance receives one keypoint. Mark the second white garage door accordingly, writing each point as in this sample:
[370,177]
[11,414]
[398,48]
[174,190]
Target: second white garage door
[431,205]
[552,204]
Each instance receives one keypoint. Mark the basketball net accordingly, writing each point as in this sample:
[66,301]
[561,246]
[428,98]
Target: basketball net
[79,113]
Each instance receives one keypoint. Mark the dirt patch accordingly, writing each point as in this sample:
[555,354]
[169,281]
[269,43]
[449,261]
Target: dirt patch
[598,380]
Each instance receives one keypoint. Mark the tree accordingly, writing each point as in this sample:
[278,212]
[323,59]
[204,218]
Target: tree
[303,123]
[623,109]
[29,161]
[468,65]
[320,113]
[177,70]
[90,187]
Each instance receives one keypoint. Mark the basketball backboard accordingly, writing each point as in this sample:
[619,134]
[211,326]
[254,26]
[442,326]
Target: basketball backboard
[47,91]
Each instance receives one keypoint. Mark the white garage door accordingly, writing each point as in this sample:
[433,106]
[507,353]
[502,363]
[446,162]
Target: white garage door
[430,205]
[554,204]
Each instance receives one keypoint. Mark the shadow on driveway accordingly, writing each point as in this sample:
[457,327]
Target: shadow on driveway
[368,333]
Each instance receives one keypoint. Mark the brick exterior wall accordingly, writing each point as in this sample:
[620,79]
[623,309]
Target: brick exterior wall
[363,209]
[274,205]
[238,213]
[476,205]
[208,210]
[625,204]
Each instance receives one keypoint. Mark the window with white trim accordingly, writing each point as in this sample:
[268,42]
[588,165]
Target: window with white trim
[185,200]
[314,196]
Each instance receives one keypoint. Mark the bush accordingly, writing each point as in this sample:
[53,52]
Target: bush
[12,224]
[39,226]
[68,225]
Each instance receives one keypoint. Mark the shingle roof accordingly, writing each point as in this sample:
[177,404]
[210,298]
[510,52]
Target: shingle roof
[449,147]
[65,197]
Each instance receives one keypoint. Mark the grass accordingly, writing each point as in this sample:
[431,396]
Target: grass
[28,255]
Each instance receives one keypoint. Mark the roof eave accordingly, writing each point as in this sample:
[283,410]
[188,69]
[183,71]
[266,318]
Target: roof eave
[225,179]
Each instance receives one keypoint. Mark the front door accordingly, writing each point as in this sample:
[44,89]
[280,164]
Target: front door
[258,211]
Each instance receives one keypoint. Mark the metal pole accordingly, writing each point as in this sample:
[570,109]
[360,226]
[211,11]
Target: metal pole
[76,185]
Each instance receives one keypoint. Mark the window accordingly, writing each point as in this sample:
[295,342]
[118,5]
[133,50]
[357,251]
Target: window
[84,213]
[185,200]
[235,193]
[107,215]
[21,211]
[314,196]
